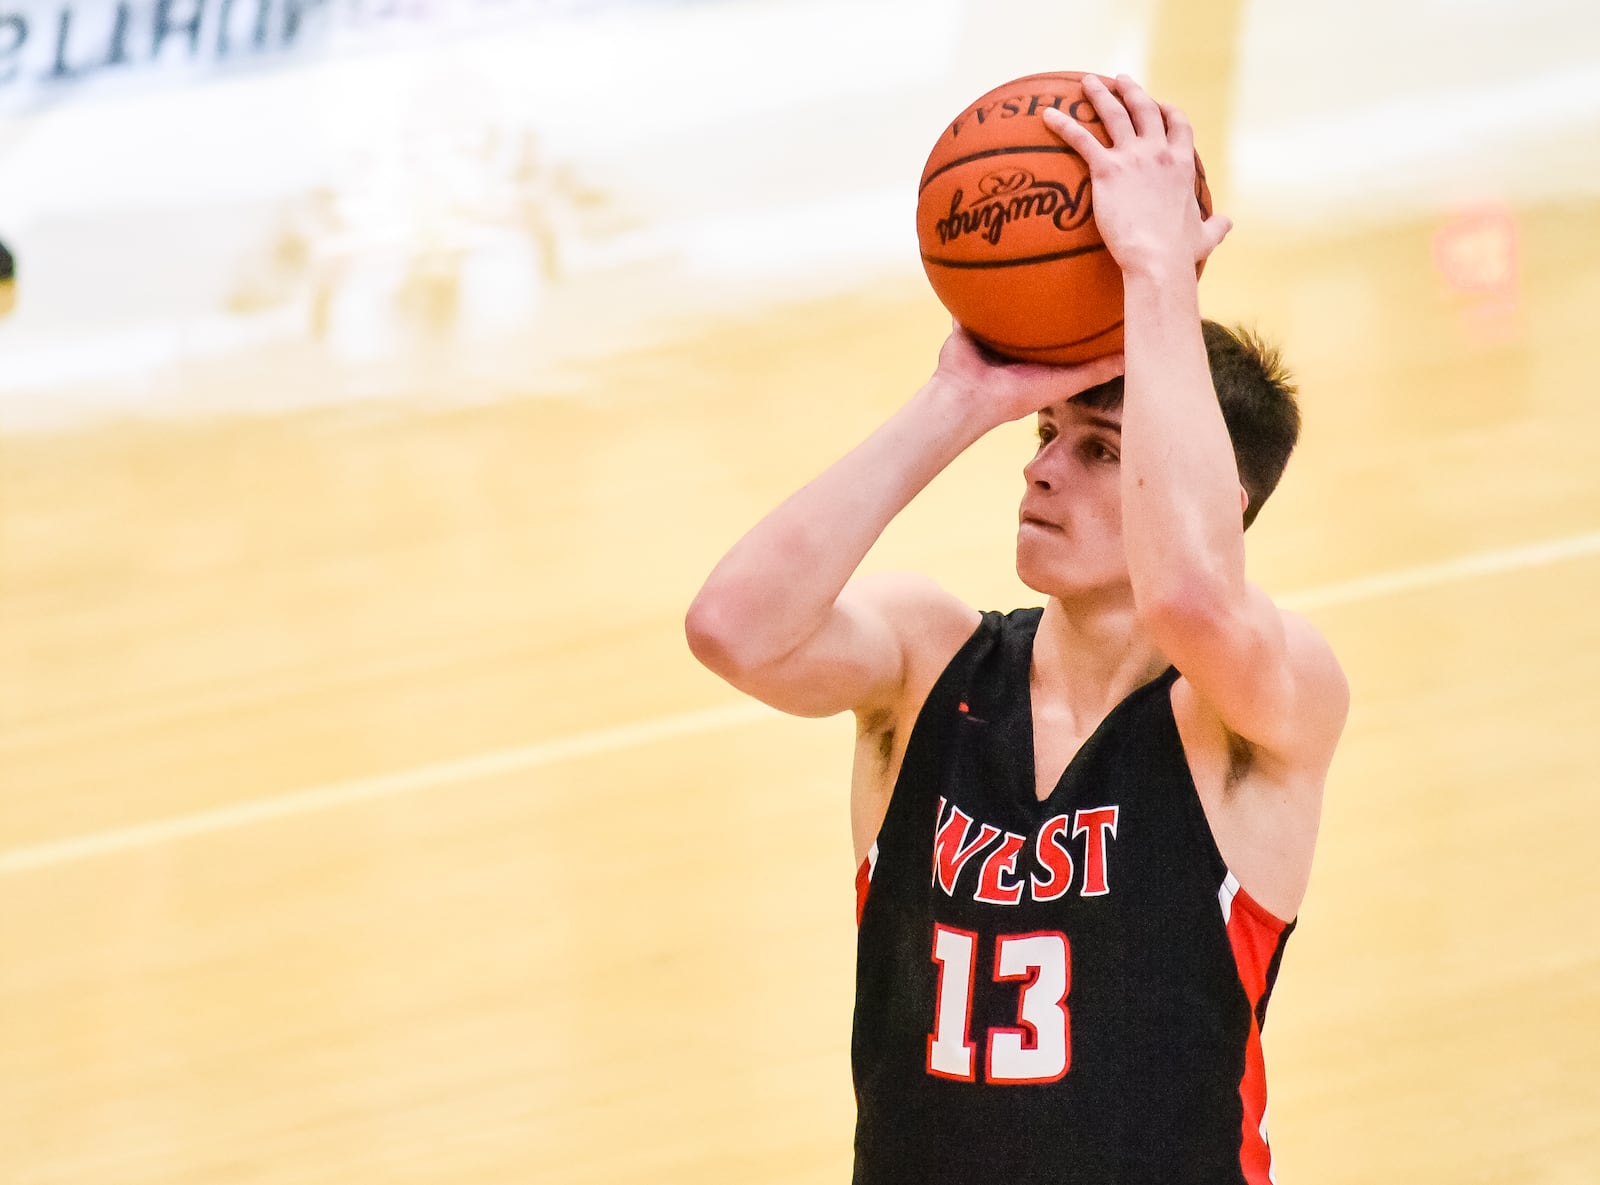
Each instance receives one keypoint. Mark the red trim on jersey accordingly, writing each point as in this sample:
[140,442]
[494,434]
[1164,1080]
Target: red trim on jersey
[863,883]
[1254,935]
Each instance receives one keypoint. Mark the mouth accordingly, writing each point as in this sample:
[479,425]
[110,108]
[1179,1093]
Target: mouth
[1033,520]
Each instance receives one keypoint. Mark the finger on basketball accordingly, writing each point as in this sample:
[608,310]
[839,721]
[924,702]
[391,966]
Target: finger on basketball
[1212,231]
[1142,109]
[1076,137]
[1109,108]
[1180,132]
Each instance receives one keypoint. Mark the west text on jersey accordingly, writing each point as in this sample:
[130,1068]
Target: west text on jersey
[1062,861]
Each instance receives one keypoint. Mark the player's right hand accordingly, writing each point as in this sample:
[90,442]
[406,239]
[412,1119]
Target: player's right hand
[1005,389]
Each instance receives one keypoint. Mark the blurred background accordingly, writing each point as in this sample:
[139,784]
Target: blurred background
[378,381]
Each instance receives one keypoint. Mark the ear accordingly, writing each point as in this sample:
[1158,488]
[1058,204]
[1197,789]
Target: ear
[1244,500]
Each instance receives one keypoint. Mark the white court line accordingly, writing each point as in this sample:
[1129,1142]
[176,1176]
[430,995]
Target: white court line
[1483,563]
[610,740]
[337,794]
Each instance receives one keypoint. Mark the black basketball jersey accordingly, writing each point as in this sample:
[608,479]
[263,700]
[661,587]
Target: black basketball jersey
[1068,991]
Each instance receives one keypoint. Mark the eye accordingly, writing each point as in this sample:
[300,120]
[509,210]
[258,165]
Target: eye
[1098,450]
[1047,433]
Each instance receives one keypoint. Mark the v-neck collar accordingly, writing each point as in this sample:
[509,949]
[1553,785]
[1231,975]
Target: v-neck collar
[1090,743]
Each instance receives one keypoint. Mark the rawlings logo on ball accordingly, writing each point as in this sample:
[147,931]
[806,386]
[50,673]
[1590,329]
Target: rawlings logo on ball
[998,184]
[1011,196]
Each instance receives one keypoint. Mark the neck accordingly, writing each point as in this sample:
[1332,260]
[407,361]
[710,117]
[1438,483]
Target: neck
[1087,658]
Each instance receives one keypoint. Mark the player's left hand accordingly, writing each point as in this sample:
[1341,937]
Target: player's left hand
[1143,184]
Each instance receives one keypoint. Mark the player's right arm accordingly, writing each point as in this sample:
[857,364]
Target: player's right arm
[780,618]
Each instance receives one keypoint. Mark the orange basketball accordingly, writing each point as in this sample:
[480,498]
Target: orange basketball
[1006,226]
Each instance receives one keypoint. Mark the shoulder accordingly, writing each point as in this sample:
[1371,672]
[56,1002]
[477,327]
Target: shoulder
[1309,696]
[1321,689]
[903,589]
[919,610]
[929,624]
[1263,797]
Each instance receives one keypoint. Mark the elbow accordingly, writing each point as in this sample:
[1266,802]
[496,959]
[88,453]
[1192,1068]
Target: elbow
[706,630]
[714,628]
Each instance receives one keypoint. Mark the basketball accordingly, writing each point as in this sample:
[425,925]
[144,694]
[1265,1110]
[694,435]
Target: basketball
[1005,223]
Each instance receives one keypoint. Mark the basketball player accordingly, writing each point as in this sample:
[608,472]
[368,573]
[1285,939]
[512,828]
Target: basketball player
[1084,830]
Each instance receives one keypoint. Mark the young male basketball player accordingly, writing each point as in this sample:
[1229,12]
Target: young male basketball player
[1083,829]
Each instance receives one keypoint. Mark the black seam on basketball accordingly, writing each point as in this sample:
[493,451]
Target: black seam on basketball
[1005,347]
[967,160]
[985,264]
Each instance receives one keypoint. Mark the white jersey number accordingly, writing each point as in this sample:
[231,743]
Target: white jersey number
[1039,1049]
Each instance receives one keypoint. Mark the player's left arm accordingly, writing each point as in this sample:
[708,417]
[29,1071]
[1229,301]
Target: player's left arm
[1268,675]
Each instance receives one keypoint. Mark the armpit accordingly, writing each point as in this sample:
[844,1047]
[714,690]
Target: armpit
[1241,756]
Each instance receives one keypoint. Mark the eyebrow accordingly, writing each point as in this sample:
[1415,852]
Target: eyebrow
[1096,421]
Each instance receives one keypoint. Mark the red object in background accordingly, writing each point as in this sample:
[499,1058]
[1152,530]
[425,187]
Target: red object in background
[1477,252]
[1476,255]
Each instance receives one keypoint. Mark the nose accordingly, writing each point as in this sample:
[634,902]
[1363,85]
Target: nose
[1041,467]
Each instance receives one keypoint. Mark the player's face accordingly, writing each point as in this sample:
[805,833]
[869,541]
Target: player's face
[1069,540]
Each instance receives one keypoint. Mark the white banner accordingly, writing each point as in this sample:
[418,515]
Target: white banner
[55,50]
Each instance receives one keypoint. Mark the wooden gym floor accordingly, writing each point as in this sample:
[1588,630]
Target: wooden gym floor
[365,819]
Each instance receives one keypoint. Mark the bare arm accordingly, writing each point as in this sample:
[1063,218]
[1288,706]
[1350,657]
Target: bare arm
[1269,677]
[776,618]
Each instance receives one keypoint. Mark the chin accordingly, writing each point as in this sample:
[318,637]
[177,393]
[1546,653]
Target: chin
[1034,574]
[1054,589]
[1049,583]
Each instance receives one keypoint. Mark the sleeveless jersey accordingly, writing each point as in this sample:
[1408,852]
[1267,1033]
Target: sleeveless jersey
[1067,991]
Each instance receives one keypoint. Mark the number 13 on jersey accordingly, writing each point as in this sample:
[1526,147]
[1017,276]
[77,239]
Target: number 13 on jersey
[1040,1048]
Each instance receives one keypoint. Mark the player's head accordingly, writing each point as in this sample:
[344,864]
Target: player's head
[1257,397]
[1070,539]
